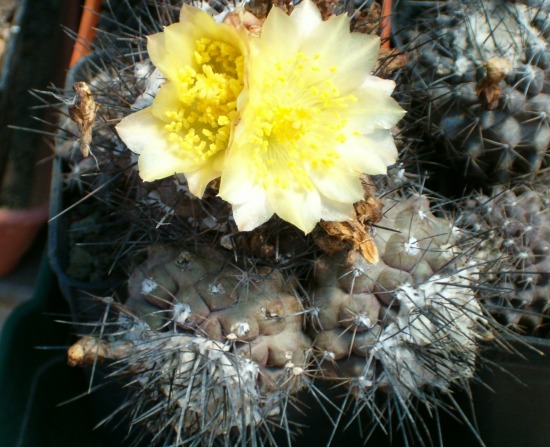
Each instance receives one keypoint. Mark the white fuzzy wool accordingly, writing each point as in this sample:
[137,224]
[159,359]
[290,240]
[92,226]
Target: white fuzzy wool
[153,81]
[148,286]
[495,32]
[186,361]
[441,314]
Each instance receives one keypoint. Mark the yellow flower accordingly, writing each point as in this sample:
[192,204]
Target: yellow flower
[313,119]
[188,127]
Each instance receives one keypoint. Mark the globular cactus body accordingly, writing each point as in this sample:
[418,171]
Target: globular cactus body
[516,225]
[409,325]
[481,86]
[214,351]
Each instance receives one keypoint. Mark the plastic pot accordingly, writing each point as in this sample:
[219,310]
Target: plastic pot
[35,381]
[29,63]
[78,293]
[514,409]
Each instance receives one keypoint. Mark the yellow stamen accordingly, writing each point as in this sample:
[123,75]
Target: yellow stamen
[296,133]
[208,93]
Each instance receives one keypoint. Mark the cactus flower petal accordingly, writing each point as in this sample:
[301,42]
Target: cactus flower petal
[187,129]
[313,120]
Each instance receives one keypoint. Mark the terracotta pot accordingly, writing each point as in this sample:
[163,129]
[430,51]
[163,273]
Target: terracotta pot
[17,231]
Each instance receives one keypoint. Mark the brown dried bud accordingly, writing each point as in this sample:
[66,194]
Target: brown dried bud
[83,111]
[244,19]
[90,350]
[488,89]
[354,233]
[389,60]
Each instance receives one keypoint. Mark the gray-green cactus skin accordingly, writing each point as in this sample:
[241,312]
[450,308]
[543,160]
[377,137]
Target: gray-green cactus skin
[225,350]
[480,86]
[516,227]
[407,326]
[221,348]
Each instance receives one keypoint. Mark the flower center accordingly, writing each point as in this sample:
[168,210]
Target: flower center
[208,95]
[297,122]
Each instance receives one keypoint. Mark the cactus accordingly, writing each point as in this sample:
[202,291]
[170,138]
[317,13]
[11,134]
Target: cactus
[480,85]
[224,349]
[516,226]
[215,350]
[223,331]
[407,326]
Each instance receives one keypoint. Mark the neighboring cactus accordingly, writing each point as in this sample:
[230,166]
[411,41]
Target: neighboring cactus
[480,84]
[214,349]
[516,225]
[408,325]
